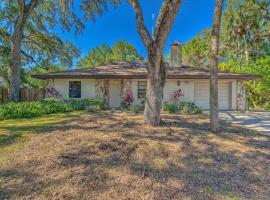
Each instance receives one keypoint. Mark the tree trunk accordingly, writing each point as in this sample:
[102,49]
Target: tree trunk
[16,40]
[15,69]
[154,93]
[213,67]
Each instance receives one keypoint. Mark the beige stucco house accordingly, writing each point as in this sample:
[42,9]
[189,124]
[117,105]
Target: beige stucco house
[111,80]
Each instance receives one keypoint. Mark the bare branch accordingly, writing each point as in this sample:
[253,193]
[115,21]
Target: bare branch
[141,28]
[167,15]
[29,8]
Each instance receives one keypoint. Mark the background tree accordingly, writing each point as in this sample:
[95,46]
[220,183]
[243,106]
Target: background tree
[246,43]
[196,51]
[244,47]
[213,66]
[120,51]
[27,37]
[246,29]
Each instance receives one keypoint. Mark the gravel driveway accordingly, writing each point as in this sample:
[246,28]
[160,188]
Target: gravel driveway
[259,121]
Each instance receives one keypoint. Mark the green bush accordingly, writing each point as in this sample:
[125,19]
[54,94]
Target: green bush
[267,107]
[46,106]
[81,104]
[170,107]
[136,108]
[185,107]
[189,108]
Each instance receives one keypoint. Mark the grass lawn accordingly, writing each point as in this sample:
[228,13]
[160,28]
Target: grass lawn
[115,156]
[13,133]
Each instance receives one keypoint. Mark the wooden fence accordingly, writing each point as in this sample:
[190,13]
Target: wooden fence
[26,94]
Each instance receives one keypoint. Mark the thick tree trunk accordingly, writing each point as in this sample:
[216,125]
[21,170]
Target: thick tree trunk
[16,40]
[154,94]
[213,67]
[155,46]
[15,69]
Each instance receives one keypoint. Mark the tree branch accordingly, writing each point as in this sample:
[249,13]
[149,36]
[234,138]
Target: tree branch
[167,15]
[141,28]
[29,8]
[5,35]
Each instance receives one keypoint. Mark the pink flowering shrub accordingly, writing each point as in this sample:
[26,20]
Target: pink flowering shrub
[175,97]
[128,98]
[51,92]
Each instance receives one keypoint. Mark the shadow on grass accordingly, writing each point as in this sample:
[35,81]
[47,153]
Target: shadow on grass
[205,165]
[13,130]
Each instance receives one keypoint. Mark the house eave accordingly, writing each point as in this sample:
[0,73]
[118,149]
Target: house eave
[182,76]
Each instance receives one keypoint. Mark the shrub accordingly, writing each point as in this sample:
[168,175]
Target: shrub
[136,108]
[184,107]
[175,97]
[170,107]
[267,107]
[128,98]
[81,104]
[46,106]
[189,108]
[51,92]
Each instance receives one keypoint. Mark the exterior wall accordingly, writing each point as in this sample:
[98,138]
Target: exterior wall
[171,85]
[100,88]
[62,85]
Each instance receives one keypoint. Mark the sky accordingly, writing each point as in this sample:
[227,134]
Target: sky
[119,24]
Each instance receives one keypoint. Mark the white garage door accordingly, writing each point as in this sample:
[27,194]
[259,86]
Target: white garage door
[202,93]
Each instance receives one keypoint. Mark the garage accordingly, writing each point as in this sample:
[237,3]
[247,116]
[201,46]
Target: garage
[202,95]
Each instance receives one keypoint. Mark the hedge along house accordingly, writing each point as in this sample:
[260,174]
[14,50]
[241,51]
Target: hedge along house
[111,81]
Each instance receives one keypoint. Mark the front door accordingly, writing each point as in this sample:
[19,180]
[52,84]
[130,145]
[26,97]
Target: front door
[115,94]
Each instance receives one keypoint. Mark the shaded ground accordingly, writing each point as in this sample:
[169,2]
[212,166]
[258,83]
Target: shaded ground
[259,121]
[13,133]
[116,156]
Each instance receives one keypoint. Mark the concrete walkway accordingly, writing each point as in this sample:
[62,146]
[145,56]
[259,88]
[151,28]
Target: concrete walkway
[259,121]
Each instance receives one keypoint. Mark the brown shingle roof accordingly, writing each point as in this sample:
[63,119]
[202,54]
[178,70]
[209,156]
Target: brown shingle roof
[118,70]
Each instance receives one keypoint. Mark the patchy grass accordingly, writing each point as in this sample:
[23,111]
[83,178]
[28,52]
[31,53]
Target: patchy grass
[13,133]
[116,156]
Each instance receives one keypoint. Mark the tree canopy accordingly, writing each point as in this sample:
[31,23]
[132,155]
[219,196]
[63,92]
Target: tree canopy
[244,46]
[33,32]
[120,51]
[196,51]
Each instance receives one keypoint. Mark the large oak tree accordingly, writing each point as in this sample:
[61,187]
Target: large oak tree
[27,35]
[154,46]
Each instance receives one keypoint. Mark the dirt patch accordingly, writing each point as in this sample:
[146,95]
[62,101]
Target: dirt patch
[116,156]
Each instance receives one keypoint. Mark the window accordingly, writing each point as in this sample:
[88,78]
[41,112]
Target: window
[74,89]
[142,89]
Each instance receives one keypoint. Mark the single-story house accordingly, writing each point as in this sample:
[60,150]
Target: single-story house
[109,82]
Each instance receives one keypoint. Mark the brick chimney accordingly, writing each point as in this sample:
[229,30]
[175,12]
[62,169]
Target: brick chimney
[176,54]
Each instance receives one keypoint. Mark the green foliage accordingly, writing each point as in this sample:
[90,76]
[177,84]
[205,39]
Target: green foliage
[81,104]
[244,46]
[184,107]
[196,51]
[189,108]
[136,108]
[41,47]
[170,107]
[46,106]
[245,29]
[120,51]
[258,92]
